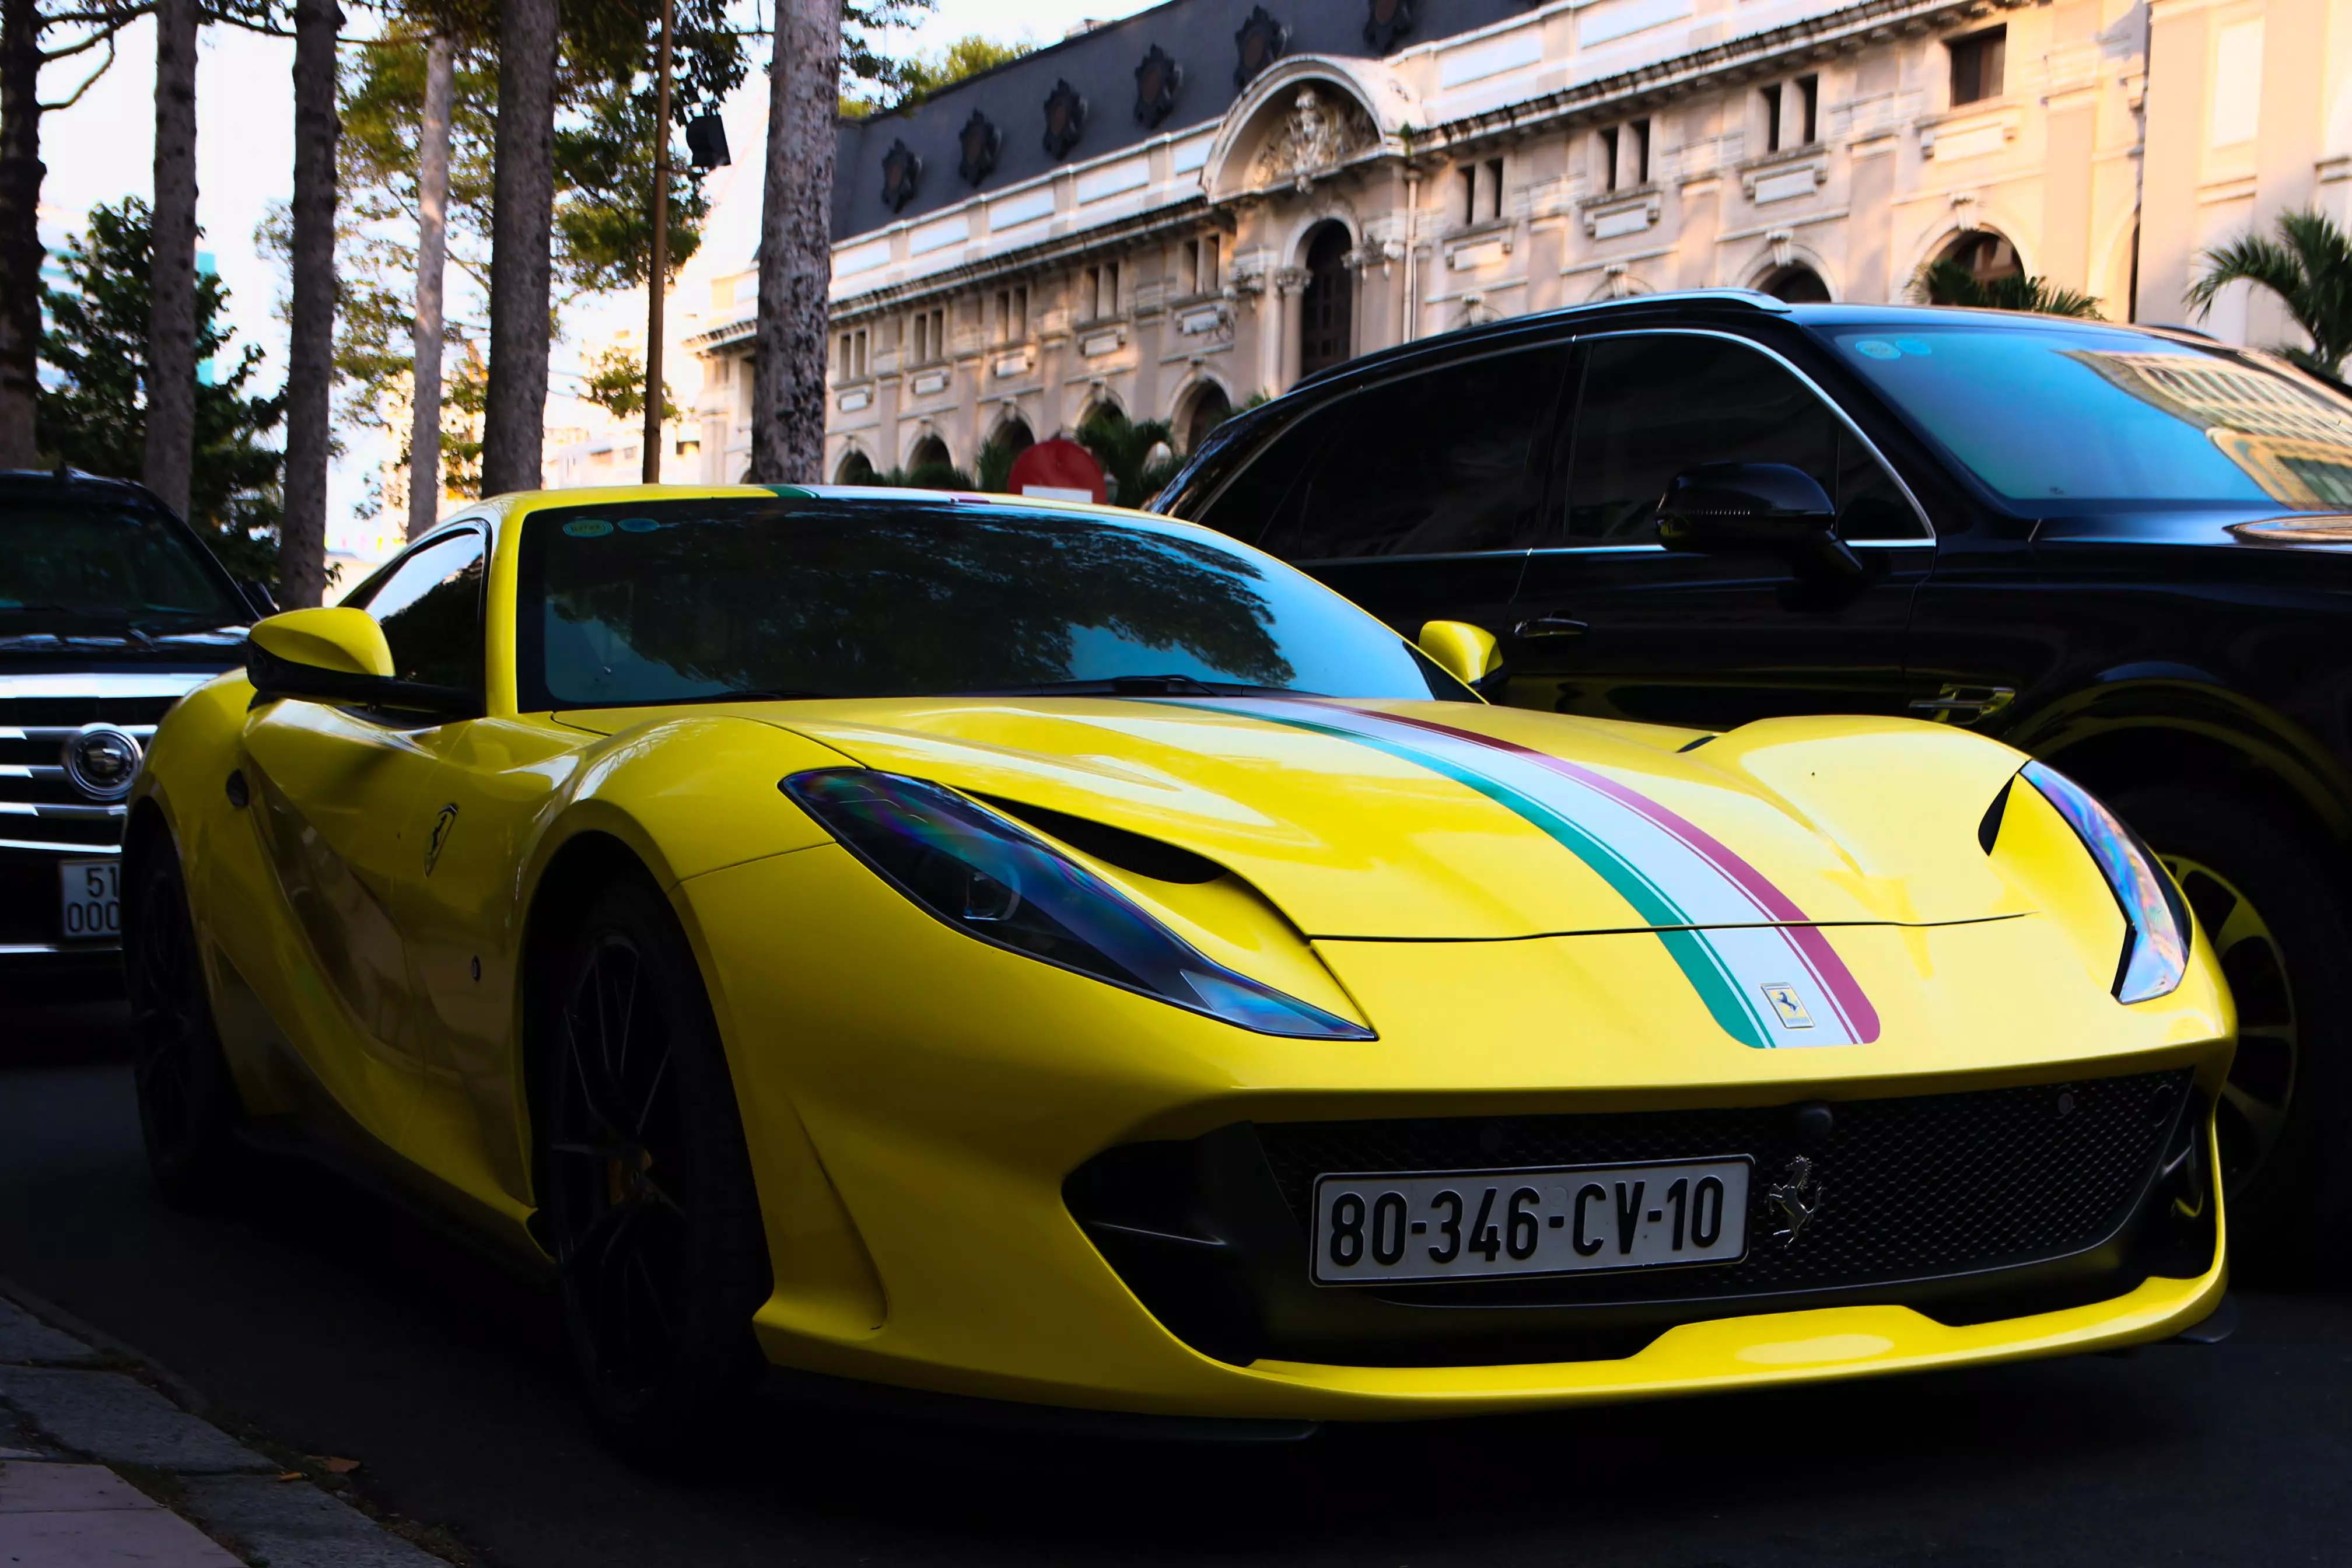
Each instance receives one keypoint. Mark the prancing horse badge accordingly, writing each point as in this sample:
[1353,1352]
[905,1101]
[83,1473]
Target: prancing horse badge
[1788,1006]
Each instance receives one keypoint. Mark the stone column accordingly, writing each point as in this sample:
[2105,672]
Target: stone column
[1288,285]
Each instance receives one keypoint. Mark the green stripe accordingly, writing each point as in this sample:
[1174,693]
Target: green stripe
[1700,964]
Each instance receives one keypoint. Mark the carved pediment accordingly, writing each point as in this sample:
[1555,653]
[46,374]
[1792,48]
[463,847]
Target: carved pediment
[1323,130]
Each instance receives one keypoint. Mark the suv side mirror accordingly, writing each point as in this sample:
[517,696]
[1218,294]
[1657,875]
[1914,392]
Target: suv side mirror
[1773,508]
[339,656]
[1467,653]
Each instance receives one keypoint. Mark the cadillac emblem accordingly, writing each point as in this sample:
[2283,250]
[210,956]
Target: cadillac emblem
[1798,1197]
[1390,20]
[1157,82]
[1259,43]
[980,140]
[1065,119]
[902,172]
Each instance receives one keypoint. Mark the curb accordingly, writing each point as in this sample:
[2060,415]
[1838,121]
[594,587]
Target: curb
[105,1457]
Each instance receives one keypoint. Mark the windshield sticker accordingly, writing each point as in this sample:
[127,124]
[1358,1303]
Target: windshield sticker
[1876,348]
[640,525]
[1908,345]
[587,527]
[1752,955]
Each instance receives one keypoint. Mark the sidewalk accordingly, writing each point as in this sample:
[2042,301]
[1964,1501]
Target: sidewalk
[99,1469]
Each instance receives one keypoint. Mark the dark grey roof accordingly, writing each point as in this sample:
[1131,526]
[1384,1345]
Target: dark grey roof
[1198,34]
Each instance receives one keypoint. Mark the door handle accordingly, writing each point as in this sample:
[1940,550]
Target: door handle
[1965,704]
[1554,624]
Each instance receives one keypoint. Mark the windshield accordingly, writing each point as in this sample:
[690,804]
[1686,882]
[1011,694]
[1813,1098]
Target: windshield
[2043,413]
[67,567]
[688,600]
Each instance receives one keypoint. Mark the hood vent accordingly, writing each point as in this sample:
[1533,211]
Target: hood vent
[1114,846]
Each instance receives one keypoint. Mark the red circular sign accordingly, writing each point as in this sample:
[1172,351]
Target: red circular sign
[1059,470]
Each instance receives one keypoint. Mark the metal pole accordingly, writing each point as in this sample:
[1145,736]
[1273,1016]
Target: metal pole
[657,279]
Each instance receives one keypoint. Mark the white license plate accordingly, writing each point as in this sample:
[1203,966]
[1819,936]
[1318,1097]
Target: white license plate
[1558,1220]
[90,896]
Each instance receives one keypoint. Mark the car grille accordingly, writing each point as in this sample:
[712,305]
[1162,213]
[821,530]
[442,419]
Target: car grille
[40,808]
[1921,1187]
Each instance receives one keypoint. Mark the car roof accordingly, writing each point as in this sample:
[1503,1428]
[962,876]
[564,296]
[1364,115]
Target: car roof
[63,483]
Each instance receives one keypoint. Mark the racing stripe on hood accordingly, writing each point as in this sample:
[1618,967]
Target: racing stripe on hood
[1769,978]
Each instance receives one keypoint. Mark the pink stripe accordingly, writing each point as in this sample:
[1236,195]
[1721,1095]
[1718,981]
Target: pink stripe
[1806,941]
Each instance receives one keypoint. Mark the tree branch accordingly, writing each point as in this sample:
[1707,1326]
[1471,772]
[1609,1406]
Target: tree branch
[87,82]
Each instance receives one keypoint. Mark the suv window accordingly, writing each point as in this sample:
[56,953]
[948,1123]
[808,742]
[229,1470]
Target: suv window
[1430,464]
[429,603]
[1656,404]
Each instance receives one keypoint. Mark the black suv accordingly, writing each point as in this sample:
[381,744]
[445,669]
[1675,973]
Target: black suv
[111,609]
[2117,548]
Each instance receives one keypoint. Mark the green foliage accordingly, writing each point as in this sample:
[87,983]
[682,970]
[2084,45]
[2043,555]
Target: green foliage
[93,410]
[921,477]
[1949,283]
[615,383]
[994,469]
[2309,266]
[1138,459]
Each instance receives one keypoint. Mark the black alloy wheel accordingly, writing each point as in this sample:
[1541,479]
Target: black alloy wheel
[2265,904]
[645,1179]
[189,1108]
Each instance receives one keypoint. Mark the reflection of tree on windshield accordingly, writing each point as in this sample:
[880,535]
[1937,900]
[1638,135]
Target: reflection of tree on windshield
[754,595]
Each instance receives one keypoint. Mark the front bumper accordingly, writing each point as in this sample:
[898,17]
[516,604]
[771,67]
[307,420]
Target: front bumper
[923,1108]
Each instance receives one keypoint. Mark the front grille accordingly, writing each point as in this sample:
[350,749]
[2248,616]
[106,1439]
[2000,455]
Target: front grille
[1910,1189]
[40,808]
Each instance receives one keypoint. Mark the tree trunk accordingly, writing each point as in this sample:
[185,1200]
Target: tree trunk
[20,234]
[522,204]
[311,337]
[788,356]
[432,254]
[172,272]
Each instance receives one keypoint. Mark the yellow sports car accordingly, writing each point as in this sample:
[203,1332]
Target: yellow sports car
[1061,955]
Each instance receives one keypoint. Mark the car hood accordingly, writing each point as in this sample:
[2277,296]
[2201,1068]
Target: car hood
[1454,821]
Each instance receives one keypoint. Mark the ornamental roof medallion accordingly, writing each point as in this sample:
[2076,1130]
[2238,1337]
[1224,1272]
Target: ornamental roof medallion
[1318,135]
[1390,21]
[1259,43]
[1157,82]
[1065,119]
[980,140]
[902,172]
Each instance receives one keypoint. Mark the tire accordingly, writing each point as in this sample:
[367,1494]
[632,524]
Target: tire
[2265,901]
[190,1113]
[646,1183]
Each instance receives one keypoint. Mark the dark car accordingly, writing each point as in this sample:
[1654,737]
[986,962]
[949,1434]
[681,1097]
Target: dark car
[2120,550]
[111,609]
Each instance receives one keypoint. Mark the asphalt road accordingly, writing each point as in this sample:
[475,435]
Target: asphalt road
[348,1330]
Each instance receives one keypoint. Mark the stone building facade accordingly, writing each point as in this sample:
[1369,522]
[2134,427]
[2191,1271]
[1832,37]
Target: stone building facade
[1176,213]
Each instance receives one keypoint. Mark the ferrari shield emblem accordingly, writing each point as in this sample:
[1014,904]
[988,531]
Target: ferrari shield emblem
[1788,1006]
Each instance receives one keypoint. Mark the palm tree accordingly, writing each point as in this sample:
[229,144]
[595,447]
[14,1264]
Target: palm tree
[788,357]
[1949,283]
[170,436]
[2308,267]
[311,338]
[514,423]
[1137,458]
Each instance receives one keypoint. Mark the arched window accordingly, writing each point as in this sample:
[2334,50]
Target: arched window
[1013,436]
[1986,254]
[1797,283]
[1326,309]
[1204,412]
[930,452]
[855,469]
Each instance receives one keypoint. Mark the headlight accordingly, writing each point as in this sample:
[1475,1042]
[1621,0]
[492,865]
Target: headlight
[2155,944]
[989,877]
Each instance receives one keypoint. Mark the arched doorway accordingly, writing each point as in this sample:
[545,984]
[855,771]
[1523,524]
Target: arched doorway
[856,468]
[1326,309]
[1985,254]
[930,452]
[1204,412]
[1797,283]
[1013,437]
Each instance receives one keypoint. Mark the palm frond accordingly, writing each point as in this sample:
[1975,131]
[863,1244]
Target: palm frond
[2251,258]
[1949,283]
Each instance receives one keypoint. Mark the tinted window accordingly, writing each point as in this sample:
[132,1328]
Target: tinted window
[1431,464]
[430,607]
[1655,405]
[675,601]
[2088,412]
[60,562]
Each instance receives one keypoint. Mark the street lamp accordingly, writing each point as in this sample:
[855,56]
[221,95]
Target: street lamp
[706,148]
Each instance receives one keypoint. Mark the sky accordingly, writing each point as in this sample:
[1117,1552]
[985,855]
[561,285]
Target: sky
[101,150]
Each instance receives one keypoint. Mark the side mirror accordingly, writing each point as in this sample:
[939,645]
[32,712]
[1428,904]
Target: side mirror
[1467,653]
[339,656]
[1773,508]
